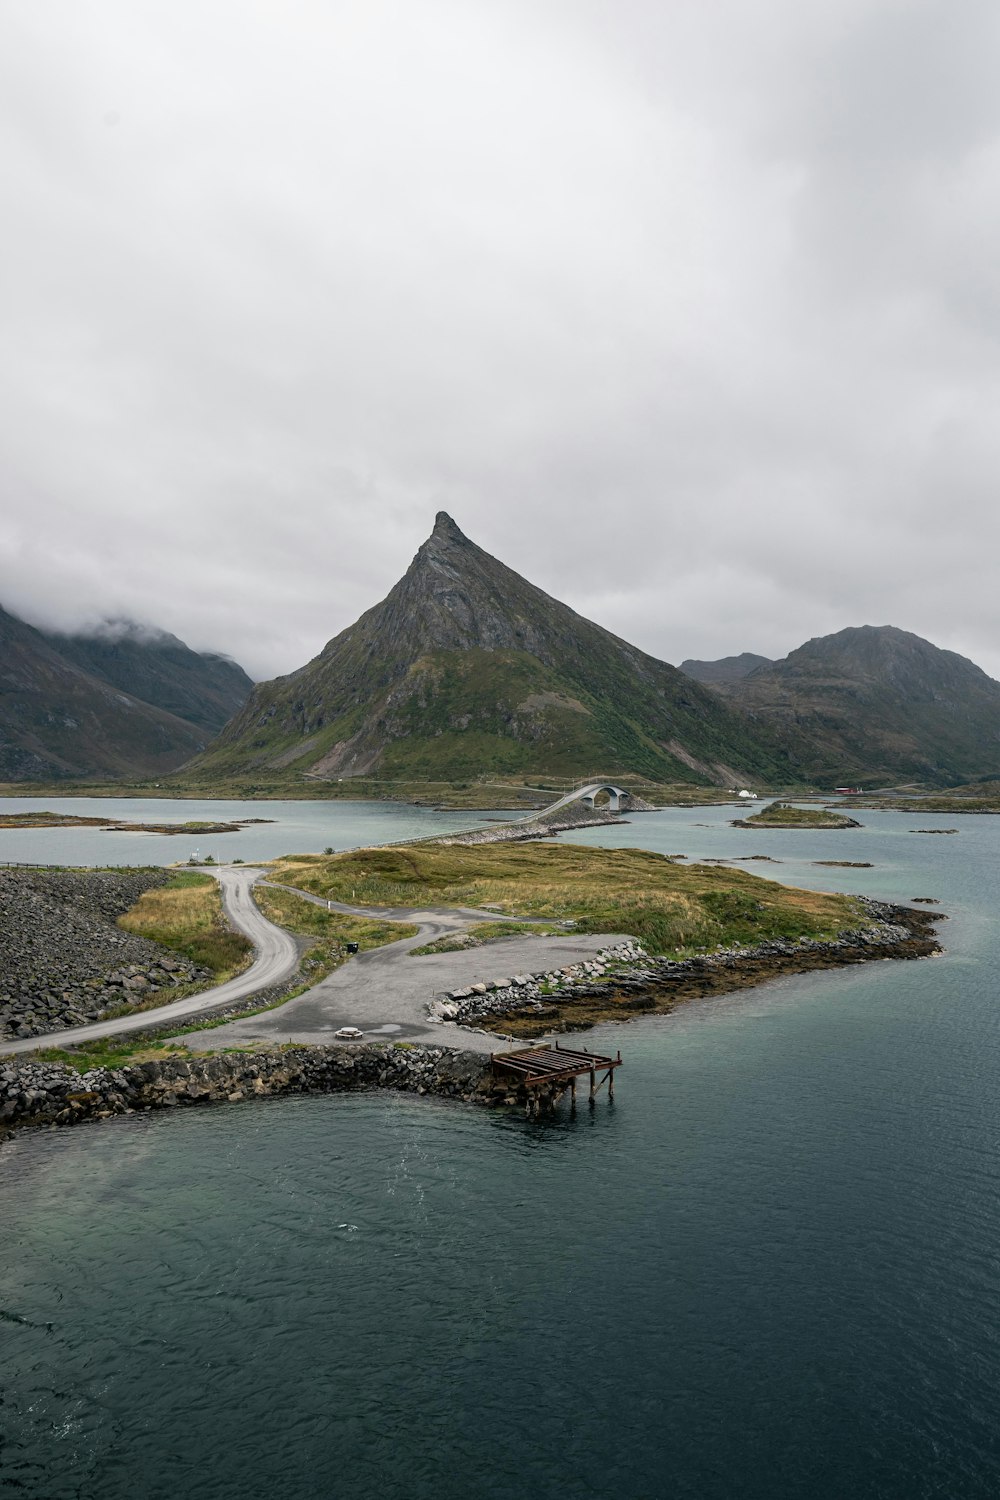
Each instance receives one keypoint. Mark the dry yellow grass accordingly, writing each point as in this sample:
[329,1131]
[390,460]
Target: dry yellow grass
[672,908]
[186,916]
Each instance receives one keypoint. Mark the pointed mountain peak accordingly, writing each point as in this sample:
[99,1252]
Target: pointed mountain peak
[463,643]
[445,529]
[447,549]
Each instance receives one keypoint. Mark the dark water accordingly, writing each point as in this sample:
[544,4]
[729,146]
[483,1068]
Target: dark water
[770,1269]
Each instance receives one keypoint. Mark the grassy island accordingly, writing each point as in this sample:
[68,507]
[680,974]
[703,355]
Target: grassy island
[973,797]
[670,908]
[720,928]
[114,825]
[783,815]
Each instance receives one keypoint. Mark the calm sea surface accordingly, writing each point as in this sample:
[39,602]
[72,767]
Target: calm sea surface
[291,828]
[771,1269]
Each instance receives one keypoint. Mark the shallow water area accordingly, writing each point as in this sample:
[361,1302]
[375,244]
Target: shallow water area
[769,1269]
[292,828]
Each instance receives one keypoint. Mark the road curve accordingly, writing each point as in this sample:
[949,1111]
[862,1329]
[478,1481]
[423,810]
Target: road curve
[386,993]
[277,958]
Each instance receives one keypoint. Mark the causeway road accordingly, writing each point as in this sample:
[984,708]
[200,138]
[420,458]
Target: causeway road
[277,958]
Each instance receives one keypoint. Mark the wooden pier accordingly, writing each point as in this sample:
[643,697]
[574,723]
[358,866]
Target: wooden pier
[544,1072]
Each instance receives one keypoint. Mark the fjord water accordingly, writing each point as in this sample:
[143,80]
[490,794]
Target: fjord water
[769,1269]
[289,828]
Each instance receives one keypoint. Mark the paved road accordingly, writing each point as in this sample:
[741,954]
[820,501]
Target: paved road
[277,957]
[386,992]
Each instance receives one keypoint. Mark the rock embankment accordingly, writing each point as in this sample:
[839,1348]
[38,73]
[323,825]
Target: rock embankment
[37,1093]
[568,819]
[625,978]
[533,992]
[63,959]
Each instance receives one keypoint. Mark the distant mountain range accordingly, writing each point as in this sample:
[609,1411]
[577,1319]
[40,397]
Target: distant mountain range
[465,668]
[156,667]
[726,669]
[874,704]
[125,701]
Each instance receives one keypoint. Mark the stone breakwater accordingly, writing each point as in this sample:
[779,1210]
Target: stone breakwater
[526,992]
[63,959]
[39,1093]
[626,979]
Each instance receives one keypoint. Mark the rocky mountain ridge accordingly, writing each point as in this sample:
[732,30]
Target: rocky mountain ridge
[466,667]
[726,669]
[875,704]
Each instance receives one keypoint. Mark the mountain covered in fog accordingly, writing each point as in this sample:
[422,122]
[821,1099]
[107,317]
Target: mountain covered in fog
[466,669]
[154,666]
[126,702]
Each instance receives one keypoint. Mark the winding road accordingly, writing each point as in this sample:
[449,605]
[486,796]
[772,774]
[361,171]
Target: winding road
[381,992]
[384,992]
[277,958]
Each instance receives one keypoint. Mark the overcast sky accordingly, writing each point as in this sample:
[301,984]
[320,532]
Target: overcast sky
[688,312]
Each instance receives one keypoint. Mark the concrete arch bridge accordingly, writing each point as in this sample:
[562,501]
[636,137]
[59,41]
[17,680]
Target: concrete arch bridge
[588,796]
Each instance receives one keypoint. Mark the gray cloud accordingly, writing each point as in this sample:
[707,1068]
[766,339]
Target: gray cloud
[689,313]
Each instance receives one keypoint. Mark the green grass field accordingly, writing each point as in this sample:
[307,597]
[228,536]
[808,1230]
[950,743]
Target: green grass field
[330,929]
[670,908]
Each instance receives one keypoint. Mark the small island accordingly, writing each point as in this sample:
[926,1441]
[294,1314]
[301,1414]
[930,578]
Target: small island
[783,815]
[113,825]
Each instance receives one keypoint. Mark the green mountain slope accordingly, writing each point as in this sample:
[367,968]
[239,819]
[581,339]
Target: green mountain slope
[874,704]
[466,668]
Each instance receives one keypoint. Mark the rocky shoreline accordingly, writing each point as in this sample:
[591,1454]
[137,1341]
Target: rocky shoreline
[40,1093]
[759,822]
[623,981]
[63,959]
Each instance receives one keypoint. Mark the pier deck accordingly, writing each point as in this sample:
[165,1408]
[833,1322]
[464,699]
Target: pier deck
[554,1068]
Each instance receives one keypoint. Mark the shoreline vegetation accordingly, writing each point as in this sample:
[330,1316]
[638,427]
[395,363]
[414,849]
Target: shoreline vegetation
[783,815]
[670,907]
[971,797]
[704,929]
[115,825]
[657,986]
[60,1090]
[485,794]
